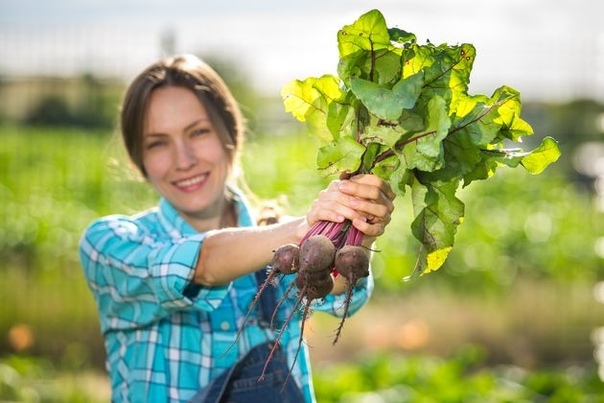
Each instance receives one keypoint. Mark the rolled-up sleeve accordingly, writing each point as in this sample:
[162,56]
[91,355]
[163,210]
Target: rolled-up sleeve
[137,279]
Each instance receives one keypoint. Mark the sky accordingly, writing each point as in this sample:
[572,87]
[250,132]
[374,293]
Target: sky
[546,49]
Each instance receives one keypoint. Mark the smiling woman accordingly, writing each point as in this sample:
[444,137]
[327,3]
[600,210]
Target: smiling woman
[173,284]
[184,159]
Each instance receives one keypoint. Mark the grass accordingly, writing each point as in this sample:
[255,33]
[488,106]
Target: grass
[29,379]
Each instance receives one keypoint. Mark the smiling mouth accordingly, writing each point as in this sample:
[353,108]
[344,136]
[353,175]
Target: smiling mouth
[191,182]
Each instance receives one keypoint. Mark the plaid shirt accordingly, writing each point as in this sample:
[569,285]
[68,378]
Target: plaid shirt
[164,338]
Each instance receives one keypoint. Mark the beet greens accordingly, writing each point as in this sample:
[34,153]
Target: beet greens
[401,111]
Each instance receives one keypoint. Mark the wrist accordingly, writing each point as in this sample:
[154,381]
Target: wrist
[295,227]
[302,228]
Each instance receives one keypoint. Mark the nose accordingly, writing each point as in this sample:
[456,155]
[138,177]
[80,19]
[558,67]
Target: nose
[184,156]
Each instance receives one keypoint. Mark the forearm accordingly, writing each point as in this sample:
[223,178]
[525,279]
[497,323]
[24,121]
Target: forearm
[233,252]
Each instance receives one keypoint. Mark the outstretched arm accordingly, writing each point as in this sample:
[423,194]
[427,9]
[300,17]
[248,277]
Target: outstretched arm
[230,253]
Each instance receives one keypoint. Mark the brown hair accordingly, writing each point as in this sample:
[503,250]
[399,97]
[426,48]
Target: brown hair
[190,72]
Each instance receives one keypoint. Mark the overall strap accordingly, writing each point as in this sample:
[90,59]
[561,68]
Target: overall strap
[267,303]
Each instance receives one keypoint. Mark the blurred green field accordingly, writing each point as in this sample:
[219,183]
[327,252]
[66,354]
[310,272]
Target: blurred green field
[509,317]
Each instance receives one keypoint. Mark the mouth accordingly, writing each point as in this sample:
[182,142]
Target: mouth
[191,184]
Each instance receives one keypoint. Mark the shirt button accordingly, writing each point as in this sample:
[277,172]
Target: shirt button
[225,325]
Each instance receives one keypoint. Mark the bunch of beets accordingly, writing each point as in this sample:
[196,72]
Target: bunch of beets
[327,250]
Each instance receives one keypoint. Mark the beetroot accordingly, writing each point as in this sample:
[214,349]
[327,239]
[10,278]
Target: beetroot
[314,287]
[352,262]
[317,253]
[286,259]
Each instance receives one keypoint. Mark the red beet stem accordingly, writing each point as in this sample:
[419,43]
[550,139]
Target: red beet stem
[340,233]
[354,237]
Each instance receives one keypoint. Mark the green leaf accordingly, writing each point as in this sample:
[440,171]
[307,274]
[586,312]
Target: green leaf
[386,69]
[399,178]
[540,158]
[298,97]
[401,36]
[509,106]
[308,105]
[534,161]
[382,66]
[483,169]
[354,65]
[343,155]
[341,120]
[446,69]
[461,155]
[388,104]
[383,134]
[440,212]
[369,157]
[385,169]
[475,119]
[368,32]
[426,151]
[316,101]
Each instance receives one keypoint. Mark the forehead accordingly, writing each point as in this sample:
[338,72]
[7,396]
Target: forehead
[173,108]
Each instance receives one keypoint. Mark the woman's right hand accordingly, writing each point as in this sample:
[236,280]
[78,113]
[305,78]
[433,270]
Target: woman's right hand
[365,200]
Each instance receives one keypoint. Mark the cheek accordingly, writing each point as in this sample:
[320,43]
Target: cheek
[155,166]
[213,152]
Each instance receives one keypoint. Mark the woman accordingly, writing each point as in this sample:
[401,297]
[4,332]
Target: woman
[173,284]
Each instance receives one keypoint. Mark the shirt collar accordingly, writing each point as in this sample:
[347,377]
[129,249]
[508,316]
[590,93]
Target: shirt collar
[177,226]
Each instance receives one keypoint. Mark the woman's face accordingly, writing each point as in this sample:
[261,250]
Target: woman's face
[183,156]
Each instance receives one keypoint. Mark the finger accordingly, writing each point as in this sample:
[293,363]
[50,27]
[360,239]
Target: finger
[324,215]
[370,230]
[332,205]
[373,212]
[384,186]
[367,187]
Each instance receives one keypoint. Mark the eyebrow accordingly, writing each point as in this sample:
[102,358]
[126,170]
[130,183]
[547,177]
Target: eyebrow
[195,123]
[186,128]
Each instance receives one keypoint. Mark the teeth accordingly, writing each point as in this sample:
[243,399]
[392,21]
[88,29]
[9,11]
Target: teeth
[190,182]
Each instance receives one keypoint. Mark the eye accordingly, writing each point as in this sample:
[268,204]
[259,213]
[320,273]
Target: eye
[200,131]
[155,144]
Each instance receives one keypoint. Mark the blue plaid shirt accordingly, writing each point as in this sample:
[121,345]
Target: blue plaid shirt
[164,342]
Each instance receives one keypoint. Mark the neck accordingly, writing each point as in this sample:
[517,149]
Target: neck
[224,218]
